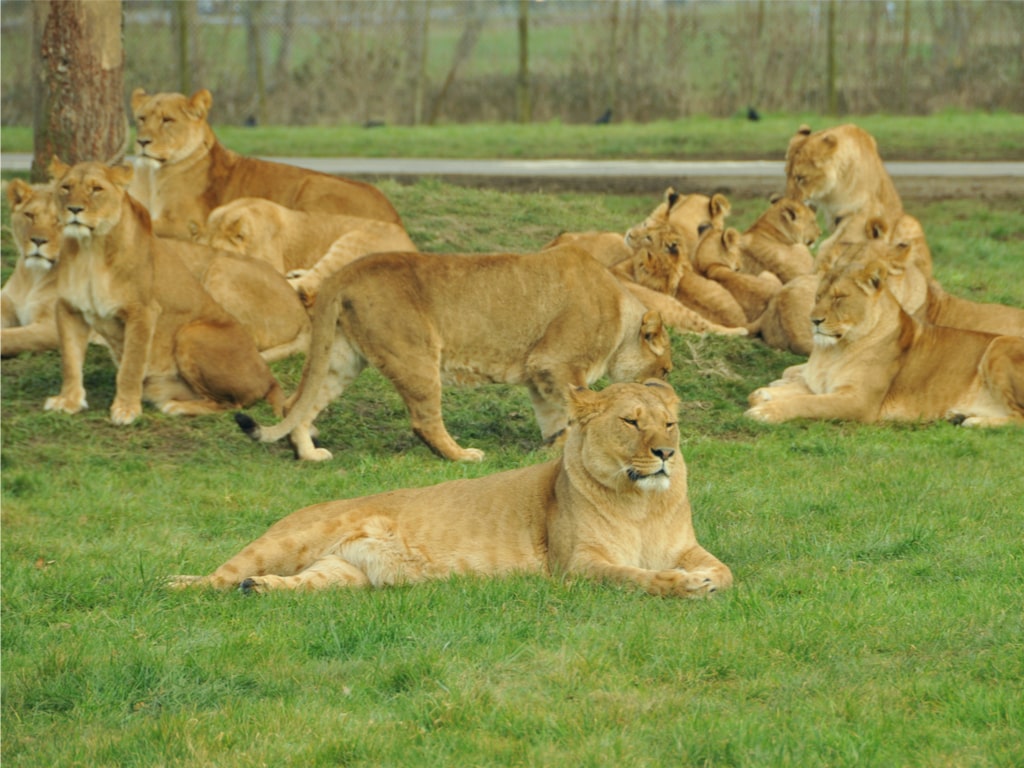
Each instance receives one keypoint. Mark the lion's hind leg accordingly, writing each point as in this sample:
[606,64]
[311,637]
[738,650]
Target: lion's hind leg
[1002,375]
[328,571]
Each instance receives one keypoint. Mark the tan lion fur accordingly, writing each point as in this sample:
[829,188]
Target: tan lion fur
[175,346]
[614,507]
[184,172]
[309,247]
[872,361]
[780,240]
[29,295]
[840,171]
[718,257]
[546,320]
[609,248]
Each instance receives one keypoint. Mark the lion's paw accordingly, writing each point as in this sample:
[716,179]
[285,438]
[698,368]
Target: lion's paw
[181,582]
[471,455]
[65,404]
[123,413]
[682,583]
[760,395]
[317,454]
[764,412]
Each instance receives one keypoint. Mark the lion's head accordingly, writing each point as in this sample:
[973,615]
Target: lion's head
[718,248]
[89,196]
[170,127]
[689,215]
[847,305]
[795,222]
[659,256]
[240,226]
[649,355]
[626,437]
[34,222]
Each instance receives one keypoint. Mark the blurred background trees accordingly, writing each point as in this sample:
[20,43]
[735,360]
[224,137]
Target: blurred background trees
[419,61]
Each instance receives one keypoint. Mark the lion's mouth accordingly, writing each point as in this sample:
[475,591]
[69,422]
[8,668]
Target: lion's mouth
[651,481]
[825,339]
[37,260]
[77,229]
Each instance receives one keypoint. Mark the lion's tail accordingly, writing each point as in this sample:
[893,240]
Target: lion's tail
[318,357]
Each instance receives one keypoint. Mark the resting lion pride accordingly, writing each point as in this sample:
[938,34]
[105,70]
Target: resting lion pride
[614,507]
[186,172]
[174,345]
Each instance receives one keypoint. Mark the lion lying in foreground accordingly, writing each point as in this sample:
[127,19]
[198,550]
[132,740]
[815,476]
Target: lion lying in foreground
[185,172]
[547,320]
[175,346]
[872,361]
[614,507]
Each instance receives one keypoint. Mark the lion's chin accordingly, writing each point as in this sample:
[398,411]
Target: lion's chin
[824,340]
[77,231]
[149,162]
[657,482]
[38,262]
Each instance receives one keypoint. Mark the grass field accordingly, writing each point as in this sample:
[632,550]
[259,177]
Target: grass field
[876,619]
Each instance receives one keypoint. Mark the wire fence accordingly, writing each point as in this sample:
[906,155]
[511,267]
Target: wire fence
[429,61]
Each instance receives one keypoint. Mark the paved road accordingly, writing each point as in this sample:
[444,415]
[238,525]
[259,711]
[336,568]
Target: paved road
[634,175]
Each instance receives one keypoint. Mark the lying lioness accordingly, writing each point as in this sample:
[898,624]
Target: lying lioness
[872,361]
[185,172]
[613,507]
[547,320]
[175,346]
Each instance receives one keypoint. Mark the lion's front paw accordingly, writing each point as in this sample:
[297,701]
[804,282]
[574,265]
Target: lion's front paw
[471,455]
[761,395]
[316,454]
[123,412]
[682,583]
[66,403]
[766,412]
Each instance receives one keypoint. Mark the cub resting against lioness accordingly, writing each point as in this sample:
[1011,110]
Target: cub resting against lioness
[614,507]
[175,346]
[547,320]
[184,172]
[872,361]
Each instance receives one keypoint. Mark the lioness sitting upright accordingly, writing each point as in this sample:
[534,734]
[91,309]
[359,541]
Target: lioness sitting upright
[547,320]
[614,507]
[29,294]
[190,172]
[872,361]
[175,346]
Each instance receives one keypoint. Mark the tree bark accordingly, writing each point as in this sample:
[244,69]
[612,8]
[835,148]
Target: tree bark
[79,61]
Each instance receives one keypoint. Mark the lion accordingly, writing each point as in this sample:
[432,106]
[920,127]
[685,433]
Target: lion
[185,172]
[174,345]
[613,507]
[780,240]
[785,323]
[306,246]
[690,215]
[29,295]
[661,262]
[718,258]
[840,171]
[547,320]
[873,362]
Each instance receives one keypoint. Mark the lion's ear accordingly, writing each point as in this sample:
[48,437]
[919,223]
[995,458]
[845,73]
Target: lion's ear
[653,331]
[57,168]
[138,96]
[584,404]
[671,198]
[18,192]
[872,276]
[876,229]
[121,175]
[774,197]
[719,206]
[804,130]
[200,103]
[731,237]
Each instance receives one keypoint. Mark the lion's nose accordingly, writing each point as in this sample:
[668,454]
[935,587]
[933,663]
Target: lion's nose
[817,321]
[76,209]
[143,142]
[663,453]
[37,241]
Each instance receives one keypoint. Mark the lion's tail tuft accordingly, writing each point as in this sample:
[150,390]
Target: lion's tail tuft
[248,425]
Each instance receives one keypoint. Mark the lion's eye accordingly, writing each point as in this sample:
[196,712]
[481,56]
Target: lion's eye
[670,425]
[631,422]
[168,120]
[66,189]
[673,248]
[29,215]
[97,189]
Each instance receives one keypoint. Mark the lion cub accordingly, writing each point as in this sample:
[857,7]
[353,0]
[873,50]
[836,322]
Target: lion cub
[614,507]
[175,346]
[547,320]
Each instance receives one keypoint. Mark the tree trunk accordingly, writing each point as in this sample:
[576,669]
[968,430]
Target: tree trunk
[79,61]
[523,110]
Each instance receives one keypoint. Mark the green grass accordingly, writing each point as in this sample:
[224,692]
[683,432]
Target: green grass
[876,618]
[949,136]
